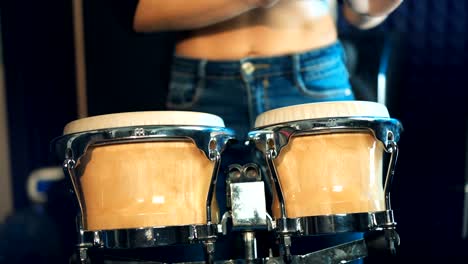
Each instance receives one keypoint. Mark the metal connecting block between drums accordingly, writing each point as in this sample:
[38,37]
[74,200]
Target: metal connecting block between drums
[248,204]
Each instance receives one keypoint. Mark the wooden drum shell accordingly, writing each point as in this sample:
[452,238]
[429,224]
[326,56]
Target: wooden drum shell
[325,174]
[146,184]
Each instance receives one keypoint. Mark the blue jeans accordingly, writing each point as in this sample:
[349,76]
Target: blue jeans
[240,90]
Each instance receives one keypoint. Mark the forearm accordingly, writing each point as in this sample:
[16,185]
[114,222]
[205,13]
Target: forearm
[366,14]
[361,21]
[162,15]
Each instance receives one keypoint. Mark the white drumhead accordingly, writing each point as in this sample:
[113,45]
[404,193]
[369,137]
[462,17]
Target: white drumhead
[143,119]
[321,110]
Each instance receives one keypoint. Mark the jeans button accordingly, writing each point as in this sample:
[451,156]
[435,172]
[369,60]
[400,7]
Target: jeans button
[248,67]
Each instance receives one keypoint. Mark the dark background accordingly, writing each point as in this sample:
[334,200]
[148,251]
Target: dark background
[128,72]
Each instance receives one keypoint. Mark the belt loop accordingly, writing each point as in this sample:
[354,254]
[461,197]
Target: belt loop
[201,71]
[296,63]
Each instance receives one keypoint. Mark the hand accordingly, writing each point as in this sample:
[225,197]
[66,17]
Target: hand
[373,7]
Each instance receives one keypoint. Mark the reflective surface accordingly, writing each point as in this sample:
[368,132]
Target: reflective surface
[331,174]
[149,237]
[344,253]
[144,184]
[340,223]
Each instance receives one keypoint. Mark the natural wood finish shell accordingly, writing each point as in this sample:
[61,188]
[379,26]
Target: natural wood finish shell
[145,184]
[331,174]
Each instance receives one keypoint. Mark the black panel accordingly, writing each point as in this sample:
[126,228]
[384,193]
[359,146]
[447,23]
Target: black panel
[40,82]
[125,71]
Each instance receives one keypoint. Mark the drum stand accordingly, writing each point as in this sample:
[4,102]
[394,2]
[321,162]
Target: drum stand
[247,213]
[246,201]
[246,205]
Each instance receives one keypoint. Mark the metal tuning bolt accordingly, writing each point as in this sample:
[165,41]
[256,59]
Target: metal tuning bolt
[80,257]
[250,245]
[84,258]
[393,240]
[213,151]
[209,251]
[382,242]
[285,240]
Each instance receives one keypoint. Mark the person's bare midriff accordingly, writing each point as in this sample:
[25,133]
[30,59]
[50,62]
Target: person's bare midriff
[292,26]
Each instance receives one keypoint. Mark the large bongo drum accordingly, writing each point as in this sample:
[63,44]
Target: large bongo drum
[327,163]
[144,179]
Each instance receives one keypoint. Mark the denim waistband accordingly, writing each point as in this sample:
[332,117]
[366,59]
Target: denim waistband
[261,65]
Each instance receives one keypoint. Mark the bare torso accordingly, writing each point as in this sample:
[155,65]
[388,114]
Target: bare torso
[289,26]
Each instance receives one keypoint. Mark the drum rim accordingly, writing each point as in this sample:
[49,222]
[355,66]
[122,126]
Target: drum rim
[142,118]
[336,223]
[75,145]
[326,109]
[146,237]
[279,135]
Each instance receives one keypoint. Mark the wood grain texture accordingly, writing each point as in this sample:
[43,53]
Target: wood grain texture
[145,184]
[331,174]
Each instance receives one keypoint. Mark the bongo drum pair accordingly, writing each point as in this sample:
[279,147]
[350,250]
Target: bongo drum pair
[147,179]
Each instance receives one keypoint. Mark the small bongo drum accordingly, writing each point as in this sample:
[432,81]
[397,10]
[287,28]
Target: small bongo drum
[326,160]
[144,179]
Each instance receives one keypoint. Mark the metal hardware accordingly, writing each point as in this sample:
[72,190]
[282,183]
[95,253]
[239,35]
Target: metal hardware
[69,170]
[209,197]
[274,175]
[248,204]
[285,241]
[222,228]
[250,245]
[209,251]
[343,253]
[393,240]
[245,193]
[340,223]
[85,241]
[383,240]
[234,174]
[391,148]
[248,67]
[277,136]
[82,255]
[210,140]
[148,237]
